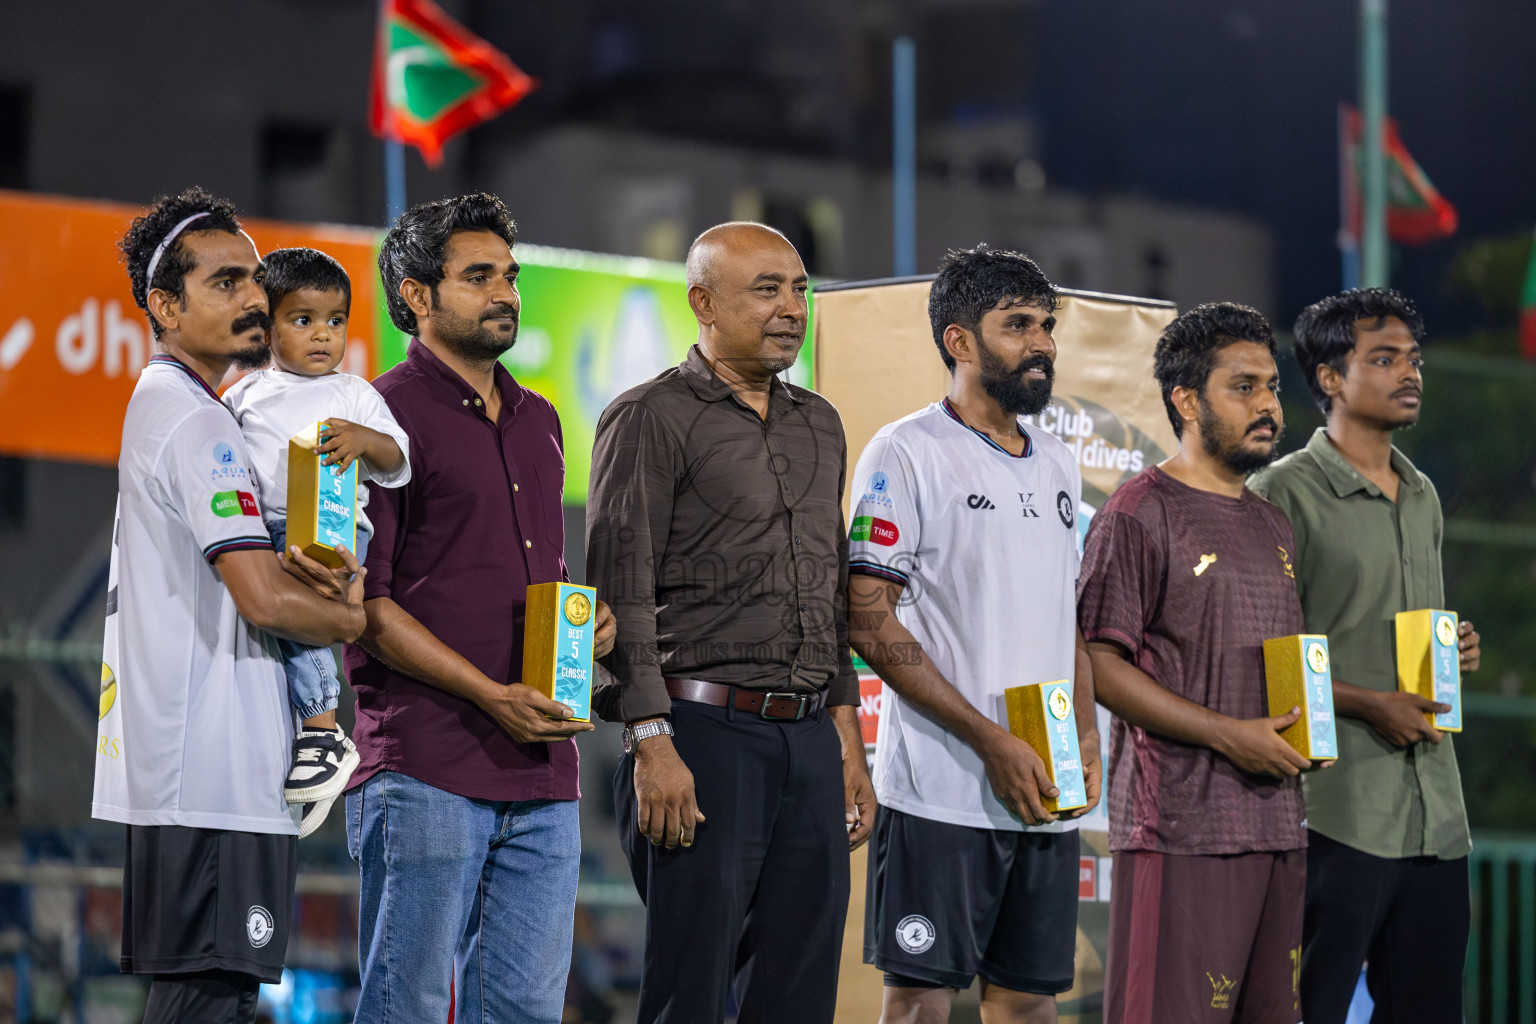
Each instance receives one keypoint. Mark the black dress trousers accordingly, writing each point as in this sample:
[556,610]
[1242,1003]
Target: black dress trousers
[761,897]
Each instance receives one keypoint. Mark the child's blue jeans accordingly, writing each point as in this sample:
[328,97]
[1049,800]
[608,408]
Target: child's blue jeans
[313,687]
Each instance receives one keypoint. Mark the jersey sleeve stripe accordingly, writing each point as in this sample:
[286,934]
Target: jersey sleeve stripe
[859,567]
[1103,632]
[218,548]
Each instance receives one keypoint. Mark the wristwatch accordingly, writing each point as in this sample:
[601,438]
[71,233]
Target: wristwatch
[633,734]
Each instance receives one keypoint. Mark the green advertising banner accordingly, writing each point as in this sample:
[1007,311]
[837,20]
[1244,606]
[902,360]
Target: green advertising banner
[592,327]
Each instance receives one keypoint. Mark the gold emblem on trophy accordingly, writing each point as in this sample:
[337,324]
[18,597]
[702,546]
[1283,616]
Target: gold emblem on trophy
[1061,704]
[1445,630]
[1317,657]
[578,609]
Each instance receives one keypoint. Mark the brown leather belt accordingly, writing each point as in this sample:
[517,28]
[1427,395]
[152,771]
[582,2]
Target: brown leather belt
[779,705]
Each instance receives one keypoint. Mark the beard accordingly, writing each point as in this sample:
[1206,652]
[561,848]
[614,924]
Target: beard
[1014,393]
[1226,446]
[470,339]
[255,355]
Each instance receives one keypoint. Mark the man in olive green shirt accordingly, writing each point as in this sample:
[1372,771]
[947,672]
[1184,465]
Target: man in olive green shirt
[1388,838]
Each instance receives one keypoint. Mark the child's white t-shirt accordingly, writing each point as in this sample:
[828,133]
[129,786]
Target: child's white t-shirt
[273,405]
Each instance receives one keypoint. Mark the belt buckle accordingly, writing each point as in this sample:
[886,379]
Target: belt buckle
[803,698]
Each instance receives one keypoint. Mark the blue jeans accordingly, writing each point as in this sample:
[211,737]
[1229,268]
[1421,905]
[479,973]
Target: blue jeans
[480,891]
[313,687]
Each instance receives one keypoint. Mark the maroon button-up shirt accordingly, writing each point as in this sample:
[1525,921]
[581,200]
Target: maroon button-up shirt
[457,548]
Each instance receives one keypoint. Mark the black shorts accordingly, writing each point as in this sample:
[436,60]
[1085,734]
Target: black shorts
[201,899]
[947,902]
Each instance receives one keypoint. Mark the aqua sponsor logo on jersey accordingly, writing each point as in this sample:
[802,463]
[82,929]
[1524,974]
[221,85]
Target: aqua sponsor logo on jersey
[222,464]
[234,503]
[877,492]
[874,530]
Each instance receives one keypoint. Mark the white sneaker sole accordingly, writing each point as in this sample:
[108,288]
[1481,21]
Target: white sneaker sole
[316,817]
[332,787]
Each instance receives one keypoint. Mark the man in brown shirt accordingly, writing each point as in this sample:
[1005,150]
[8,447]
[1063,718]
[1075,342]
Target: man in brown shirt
[714,528]
[1185,575]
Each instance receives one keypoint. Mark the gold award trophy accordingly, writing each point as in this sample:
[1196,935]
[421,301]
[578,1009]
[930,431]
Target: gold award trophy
[1429,661]
[1298,674]
[1041,715]
[322,504]
[557,644]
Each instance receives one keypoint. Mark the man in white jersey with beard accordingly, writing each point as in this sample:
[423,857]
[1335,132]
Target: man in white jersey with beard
[963,563]
[195,724]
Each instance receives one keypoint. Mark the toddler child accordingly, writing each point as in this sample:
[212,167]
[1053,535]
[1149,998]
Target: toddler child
[309,297]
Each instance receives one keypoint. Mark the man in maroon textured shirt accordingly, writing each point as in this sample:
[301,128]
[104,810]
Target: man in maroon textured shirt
[463,813]
[1185,574]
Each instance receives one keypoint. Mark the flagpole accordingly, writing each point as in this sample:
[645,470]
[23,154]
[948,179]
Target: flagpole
[394,181]
[1373,115]
[1349,199]
[904,155]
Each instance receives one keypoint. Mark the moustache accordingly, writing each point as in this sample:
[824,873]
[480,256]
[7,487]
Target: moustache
[500,311]
[1264,421]
[1037,362]
[256,319]
[1400,392]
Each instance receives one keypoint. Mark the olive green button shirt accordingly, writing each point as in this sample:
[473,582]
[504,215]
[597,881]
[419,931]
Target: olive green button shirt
[1362,558]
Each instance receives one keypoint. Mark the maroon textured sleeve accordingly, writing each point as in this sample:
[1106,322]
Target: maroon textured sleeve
[1119,592]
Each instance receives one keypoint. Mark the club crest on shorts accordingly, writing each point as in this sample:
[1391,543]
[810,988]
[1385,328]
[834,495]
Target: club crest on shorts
[915,933]
[259,926]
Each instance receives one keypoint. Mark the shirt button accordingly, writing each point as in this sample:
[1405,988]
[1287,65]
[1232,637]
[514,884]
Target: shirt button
[477,401]
[466,401]
[802,607]
[514,487]
[797,540]
[527,543]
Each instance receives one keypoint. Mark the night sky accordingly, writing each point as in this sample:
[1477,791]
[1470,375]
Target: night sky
[1234,105]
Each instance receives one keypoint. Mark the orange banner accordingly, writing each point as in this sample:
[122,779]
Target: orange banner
[72,341]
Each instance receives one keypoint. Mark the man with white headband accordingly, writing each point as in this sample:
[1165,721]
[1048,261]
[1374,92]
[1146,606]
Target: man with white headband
[195,724]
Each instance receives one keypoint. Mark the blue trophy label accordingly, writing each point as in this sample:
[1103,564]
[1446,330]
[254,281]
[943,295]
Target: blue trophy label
[1446,660]
[573,651]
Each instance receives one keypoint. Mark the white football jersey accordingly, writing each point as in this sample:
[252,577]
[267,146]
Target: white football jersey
[195,725]
[985,543]
[273,405]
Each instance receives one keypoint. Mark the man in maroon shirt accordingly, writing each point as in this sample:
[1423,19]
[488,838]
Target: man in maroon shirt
[463,813]
[1185,574]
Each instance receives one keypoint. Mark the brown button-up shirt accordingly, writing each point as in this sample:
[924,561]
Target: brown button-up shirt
[717,538]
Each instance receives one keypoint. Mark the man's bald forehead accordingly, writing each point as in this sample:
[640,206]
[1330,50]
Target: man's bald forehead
[705,253]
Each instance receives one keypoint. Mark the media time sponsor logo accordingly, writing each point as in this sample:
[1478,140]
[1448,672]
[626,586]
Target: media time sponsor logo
[875,530]
[234,503]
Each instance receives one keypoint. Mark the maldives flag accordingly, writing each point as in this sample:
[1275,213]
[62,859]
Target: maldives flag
[1528,308]
[1416,211]
[433,78]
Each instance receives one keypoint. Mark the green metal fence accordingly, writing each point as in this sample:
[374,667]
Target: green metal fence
[1501,957]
